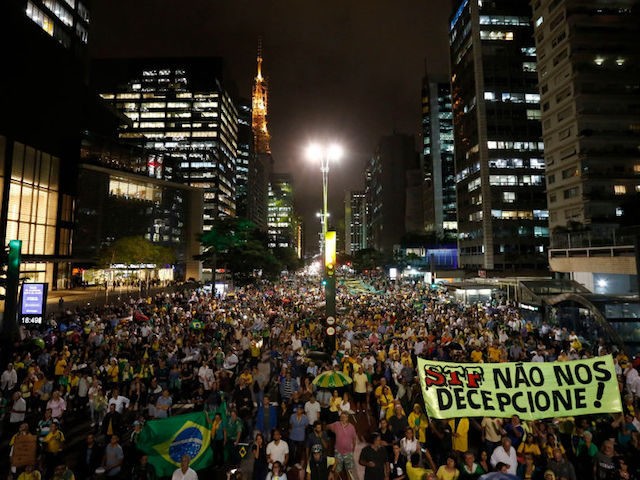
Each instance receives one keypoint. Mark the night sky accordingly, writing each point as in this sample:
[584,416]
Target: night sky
[339,70]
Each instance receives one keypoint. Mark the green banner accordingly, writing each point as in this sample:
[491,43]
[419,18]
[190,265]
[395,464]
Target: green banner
[165,441]
[529,390]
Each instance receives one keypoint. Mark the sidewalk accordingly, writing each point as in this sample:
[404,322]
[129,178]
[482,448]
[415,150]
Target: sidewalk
[97,295]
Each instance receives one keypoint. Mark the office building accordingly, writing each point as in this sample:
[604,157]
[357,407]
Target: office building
[113,204]
[43,46]
[386,190]
[589,70]
[355,206]
[244,157]
[281,220]
[438,163]
[502,212]
[179,108]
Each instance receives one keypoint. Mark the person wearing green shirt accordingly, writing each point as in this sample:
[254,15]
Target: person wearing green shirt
[234,435]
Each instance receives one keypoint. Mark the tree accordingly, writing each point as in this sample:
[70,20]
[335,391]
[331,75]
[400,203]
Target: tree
[239,245]
[367,259]
[134,251]
[288,257]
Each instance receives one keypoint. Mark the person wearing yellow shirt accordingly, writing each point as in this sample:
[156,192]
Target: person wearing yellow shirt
[459,434]
[476,355]
[494,354]
[53,443]
[417,472]
[30,473]
[246,377]
[384,397]
[529,446]
[113,371]
[405,359]
[419,422]
[334,406]
[61,365]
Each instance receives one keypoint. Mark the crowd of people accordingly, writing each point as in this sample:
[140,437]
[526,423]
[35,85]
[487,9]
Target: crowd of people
[249,359]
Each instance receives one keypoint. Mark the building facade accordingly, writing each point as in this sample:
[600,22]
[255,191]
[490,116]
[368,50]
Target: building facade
[386,190]
[179,108]
[438,163]
[244,157]
[355,222]
[43,46]
[502,212]
[113,204]
[589,71]
[281,220]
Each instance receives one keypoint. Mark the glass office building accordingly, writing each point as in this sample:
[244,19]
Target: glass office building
[502,208]
[178,108]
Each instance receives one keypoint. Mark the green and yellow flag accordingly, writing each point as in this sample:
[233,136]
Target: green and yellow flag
[165,441]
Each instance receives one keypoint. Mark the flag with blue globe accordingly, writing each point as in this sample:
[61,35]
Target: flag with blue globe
[165,441]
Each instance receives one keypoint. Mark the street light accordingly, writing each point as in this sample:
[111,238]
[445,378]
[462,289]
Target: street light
[326,154]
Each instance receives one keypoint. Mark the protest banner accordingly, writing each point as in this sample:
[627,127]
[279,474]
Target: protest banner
[529,390]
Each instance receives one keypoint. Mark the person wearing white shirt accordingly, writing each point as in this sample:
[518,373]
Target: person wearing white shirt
[277,449]
[506,454]
[230,361]
[312,410]
[185,472]
[121,402]
[205,376]
[9,378]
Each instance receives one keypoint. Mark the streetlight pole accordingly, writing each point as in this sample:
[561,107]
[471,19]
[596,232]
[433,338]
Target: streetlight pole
[326,154]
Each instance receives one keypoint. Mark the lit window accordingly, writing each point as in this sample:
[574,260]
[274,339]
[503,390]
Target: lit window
[539,21]
[619,189]
[35,14]
[533,114]
[489,96]
[620,61]
[598,60]
[508,197]
[495,35]
[619,212]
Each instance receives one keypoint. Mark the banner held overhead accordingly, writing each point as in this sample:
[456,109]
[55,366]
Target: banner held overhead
[529,390]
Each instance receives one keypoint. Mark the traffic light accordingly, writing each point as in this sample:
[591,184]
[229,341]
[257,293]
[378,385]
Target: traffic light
[331,270]
[10,278]
[10,270]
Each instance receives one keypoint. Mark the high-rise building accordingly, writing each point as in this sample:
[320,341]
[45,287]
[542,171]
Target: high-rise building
[438,163]
[355,206]
[281,228]
[244,157]
[179,108]
[588,69]
[502,212]
[43,47]
[261,165]
[386,190]
[589,79]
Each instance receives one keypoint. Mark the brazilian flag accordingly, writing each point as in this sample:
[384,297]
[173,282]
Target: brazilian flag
[166,440]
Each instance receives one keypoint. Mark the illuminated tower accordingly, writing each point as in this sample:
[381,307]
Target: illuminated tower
[261,135]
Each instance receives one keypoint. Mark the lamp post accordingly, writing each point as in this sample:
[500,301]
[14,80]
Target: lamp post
[326,154]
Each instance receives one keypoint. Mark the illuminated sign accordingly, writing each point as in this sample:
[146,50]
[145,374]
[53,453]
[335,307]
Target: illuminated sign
[330,248]
[33,303]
